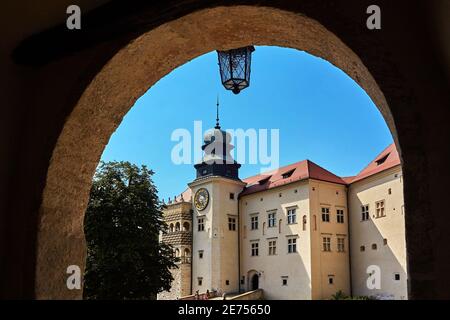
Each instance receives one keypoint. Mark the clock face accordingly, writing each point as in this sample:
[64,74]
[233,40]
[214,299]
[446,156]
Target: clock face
[201,199]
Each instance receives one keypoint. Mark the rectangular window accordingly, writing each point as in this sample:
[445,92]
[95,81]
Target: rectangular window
[397,276]
[340,215]
[271,219]
[201,224]
[365,212]
[272,247]
[254,222]
[292,216]
[330,279]
[326,244]
[292,245]
[255,249]
[379,207]
[284,281]
[325,214]
[231,223]
[231,196]
[340,244]
[200,281]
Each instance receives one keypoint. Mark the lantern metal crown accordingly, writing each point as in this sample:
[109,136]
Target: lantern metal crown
[234,68]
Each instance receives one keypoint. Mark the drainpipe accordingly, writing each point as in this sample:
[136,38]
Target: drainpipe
[239,244]
[347,188]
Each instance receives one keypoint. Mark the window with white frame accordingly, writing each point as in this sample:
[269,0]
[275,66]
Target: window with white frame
[271,219]
[254,222]
[255,249]
[379,209]
[272,247]
[341,244]
[365,212]
[326,243]
[201,224]
[232,223]
[325,214]
[292,215]
[292,245]
[340,215]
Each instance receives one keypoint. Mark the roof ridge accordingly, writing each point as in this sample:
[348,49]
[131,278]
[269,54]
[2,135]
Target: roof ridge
[308,162]
[328,171]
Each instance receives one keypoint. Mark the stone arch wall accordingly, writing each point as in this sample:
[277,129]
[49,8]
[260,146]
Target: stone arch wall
[39,129]
[128,75]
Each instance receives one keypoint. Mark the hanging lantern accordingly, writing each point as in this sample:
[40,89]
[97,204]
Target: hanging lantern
[234,68]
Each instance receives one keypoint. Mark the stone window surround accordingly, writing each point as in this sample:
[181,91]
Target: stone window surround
[292,236]
[274,218]
[254,215]
[295,207]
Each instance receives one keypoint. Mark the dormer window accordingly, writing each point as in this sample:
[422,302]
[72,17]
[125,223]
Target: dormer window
[382,159]
[263,181]
[288,174]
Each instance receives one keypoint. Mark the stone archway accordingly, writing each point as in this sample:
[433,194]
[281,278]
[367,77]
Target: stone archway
[126,77]
[255,282]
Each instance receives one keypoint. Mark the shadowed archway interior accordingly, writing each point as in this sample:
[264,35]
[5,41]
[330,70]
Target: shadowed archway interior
[63,126]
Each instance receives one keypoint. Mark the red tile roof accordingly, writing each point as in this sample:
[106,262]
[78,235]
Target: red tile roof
[389,158]
[302,170]
[185,195]
[307,169]
[348,180]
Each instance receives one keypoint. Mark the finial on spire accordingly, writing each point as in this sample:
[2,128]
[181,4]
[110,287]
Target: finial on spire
[217,114]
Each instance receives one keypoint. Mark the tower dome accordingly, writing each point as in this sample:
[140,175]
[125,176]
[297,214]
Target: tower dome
[217,146]
[217,158]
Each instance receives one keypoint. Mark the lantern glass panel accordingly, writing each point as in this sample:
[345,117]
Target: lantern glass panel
[235,68]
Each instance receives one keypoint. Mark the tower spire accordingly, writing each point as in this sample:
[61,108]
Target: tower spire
[217,114]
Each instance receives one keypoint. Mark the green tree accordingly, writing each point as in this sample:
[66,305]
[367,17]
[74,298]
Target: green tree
[125,259]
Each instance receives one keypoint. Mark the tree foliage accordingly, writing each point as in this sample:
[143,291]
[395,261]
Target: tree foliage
[125,259]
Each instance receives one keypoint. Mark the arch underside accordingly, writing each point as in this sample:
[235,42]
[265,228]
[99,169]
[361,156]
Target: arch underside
[125,78]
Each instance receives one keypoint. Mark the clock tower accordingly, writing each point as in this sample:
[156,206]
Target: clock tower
[215,247]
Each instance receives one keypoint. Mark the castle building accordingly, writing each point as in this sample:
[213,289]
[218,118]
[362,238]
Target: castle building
[299,232]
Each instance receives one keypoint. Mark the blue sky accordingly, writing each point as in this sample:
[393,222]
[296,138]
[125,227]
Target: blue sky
[322,115]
